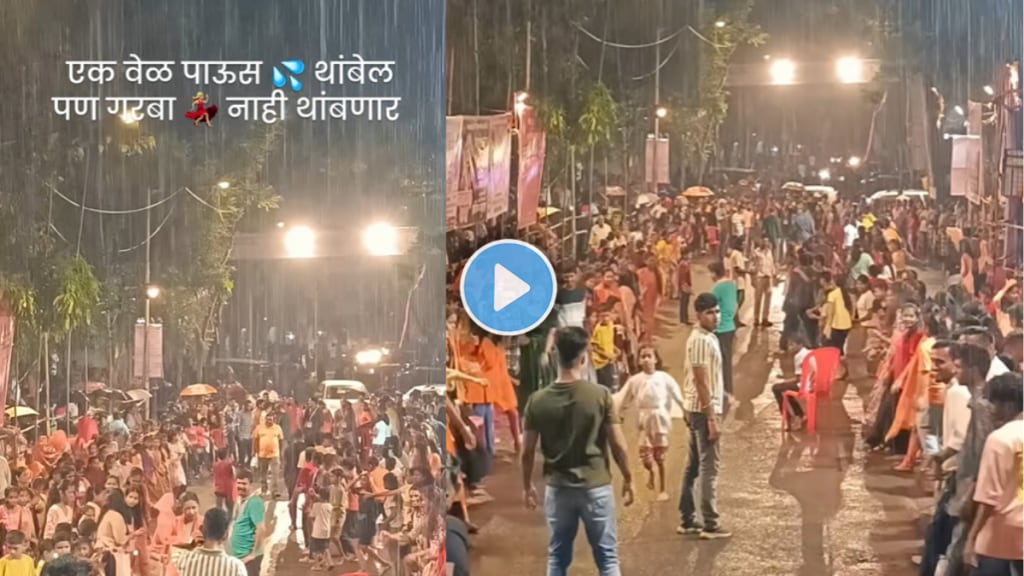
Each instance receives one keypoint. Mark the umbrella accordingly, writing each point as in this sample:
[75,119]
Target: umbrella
[139,394]
[546,211]
[793,186]
[646,198]
[697,192]
[198,390]
[19,411]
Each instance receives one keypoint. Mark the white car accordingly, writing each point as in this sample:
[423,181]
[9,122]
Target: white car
[425,389]
[337,391]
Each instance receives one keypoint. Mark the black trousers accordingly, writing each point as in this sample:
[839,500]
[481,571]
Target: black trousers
[940,533]
[725,340]
[794,405]
[684,307]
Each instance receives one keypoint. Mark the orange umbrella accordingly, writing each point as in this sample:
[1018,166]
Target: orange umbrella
[697,192]
[198,390]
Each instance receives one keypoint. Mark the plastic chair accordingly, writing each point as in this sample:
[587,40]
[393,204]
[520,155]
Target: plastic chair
[826,363]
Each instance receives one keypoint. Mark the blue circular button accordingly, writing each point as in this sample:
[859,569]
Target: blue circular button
[508,287]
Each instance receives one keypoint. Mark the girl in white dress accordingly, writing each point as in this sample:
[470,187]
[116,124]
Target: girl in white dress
[654,391]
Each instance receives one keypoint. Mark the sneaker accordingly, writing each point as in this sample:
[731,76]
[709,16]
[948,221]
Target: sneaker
[689,530]
[716,533]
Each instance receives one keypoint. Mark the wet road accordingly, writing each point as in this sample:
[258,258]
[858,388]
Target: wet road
[809,506]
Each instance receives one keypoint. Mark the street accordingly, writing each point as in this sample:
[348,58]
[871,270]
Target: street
[818,506]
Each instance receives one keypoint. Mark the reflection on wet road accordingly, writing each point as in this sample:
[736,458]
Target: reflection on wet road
[803,505]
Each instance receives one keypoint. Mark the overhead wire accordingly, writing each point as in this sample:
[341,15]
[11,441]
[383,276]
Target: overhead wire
[203,202]
[111,212]
[661,65]
[597,38]
[152,234]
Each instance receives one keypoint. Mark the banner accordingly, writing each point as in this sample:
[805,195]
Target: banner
[532,143]
[660,155]
[485,162]
[6,351]
[452,169]
[155,346]
[966,168]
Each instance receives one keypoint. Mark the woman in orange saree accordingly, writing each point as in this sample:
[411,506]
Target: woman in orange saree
[913,385]
[649,298]
[904,344]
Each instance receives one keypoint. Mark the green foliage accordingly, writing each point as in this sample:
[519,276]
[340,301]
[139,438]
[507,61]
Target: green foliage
[20,297]
[598,118]
[78,295]
[696,124]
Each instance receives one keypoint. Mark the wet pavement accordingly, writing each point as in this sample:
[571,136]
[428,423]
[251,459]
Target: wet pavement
[808,505]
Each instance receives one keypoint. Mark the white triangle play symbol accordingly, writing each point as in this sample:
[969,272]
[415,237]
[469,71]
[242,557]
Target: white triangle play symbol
[507,287]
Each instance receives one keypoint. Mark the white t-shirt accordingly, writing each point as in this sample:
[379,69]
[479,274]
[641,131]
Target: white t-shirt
[598,233]
[654,394]
[865,302]
[737,260]
[956,415]
[850,233]
[321,520]
[654,391]
[738,228]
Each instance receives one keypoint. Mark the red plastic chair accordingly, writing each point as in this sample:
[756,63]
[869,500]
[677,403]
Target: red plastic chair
[826,361]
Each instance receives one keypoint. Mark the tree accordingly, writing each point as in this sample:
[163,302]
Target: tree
[198,290]
[696,124]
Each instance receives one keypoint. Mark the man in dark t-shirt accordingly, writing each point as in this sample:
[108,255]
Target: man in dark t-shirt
[577,425]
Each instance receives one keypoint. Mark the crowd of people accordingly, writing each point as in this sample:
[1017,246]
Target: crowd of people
[927,362]
[125,494]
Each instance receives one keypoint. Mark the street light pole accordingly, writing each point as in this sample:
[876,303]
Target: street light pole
[145,325]
[657,99]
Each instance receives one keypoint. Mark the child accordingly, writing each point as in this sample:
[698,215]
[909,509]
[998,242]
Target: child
[339,510]
[224,481]
[321,533]
[602,349]
[654,391]
[16,562]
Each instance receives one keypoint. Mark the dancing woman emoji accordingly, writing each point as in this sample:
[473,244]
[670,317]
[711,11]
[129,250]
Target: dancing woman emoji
[201,112]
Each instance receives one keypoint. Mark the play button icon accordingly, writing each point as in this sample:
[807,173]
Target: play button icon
[508,287]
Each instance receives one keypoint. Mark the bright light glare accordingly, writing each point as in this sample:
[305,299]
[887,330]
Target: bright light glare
[783,71]
[854,161]
[661,112]
[988,90]
[720,24]
[381,239]
[520,102]
[850,70]
[152,292]
[223,184]
[824,174]
[300,242]
[372,356]
[129,117]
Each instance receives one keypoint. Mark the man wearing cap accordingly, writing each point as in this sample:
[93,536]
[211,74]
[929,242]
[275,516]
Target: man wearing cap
[703,403]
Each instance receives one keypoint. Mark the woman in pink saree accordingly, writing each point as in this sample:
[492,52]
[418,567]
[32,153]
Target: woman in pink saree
[174,529]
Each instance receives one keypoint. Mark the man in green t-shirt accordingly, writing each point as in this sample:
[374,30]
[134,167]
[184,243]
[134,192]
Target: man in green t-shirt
[249,529]
[577,424]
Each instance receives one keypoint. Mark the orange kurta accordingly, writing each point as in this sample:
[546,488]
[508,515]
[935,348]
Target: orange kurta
[914,383]
[472,363]
[495,368]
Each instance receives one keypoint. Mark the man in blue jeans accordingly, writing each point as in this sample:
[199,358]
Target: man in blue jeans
[577,425]
[703,404]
